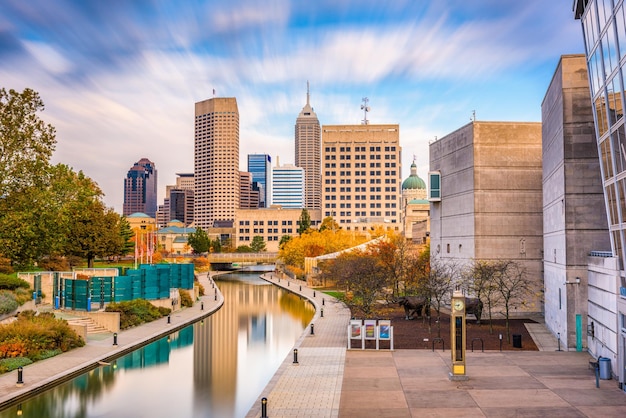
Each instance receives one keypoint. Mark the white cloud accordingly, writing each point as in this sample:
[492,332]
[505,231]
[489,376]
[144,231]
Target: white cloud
[48,57]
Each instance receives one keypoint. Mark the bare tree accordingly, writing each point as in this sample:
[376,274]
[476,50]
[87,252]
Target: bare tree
[359,273]
[513,287]
[437,285]
[480,280]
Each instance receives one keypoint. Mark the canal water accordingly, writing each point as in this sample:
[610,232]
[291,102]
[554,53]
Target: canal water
[212,368]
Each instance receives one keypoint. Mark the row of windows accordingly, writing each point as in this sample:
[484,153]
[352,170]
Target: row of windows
[270,238]
[359,205]
[358,165]
[358,149]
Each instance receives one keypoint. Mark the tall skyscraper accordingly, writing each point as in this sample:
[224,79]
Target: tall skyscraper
[308,153]
[260,166]
[140,189]
[216,161]
[287,186]
[248,197]
[361,175]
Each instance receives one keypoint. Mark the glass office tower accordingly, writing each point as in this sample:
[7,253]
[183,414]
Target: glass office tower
[604,34]
[260,166]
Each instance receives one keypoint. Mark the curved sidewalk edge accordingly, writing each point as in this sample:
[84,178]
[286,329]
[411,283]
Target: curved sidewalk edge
[45,374]
[311,387]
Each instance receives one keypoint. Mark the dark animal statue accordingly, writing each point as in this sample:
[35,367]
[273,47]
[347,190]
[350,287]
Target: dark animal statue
[474,306]
[414,306]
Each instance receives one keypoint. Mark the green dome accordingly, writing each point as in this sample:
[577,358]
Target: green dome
[414,181]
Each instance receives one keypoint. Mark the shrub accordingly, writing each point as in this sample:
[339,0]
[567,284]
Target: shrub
[23,295]
[11,283]
[44,354]
[200,262]
[185,298]
[136,312]
[201,289]
[8,364]
[7,302]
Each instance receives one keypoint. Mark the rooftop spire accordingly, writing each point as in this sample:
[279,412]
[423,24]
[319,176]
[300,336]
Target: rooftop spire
[307,93]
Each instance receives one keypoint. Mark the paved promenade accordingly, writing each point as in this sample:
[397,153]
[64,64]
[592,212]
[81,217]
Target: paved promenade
[330,381]
[44,374]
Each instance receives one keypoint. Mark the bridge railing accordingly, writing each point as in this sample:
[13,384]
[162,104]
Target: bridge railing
[242,257]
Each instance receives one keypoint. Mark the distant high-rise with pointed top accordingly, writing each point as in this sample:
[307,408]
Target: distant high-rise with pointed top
[308,153]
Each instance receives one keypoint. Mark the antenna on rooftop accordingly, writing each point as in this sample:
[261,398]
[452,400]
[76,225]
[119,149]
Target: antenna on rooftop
[365,108]
[473,118]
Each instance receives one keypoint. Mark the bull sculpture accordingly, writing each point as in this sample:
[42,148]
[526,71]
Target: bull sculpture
[414,306]
[474,306]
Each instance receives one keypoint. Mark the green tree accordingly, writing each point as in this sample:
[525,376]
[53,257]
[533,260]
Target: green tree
[26,142]
[127,235]
[304,222]
[284,240]
[199,241]
[258,245]
[215,246]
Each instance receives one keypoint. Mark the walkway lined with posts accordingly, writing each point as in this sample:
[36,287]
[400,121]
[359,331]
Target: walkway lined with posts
[309,381]
[44,374]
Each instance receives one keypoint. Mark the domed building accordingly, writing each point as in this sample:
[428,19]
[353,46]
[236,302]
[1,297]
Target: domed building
[415,208]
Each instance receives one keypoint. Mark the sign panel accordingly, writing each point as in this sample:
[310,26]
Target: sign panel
[370,329]
[384,329]
[355,329]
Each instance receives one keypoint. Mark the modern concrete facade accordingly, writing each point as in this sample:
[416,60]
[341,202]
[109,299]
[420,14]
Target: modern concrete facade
[361,176]
[490,206]
[604,34]
[574,219]
[178,201]
[216,161]
[288,186]
[140,189]
[308,153]
[574,222]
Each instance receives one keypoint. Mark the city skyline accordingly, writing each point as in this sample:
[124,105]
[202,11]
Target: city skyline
[121,82]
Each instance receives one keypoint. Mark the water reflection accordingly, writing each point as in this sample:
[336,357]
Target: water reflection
[214,368]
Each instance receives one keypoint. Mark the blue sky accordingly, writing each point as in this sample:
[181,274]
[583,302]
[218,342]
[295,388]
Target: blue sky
[120,78]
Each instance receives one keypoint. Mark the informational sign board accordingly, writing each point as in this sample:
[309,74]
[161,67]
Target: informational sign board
[355,332]
[370,329]
[384,329]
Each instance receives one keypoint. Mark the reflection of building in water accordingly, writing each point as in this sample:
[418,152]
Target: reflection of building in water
[157,352]
[250,309]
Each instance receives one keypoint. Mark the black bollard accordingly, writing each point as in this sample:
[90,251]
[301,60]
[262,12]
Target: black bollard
[295,356]
[558,340]
[322,301]
[500,342]
[264,408]
[288,283]
[169,319]
[322,312]
[115,338]
[301,288]
[312,329]
[201,306]
[20,380]
[314,293]
[216,296]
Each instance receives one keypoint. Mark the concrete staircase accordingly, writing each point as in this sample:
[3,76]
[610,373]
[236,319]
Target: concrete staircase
[92,327]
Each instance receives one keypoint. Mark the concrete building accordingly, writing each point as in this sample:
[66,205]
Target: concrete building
[216,161]
[288,186]
[308,153]
[415,208]
[603,24]
[361,176]
[248,197]
[260,167]
[489,205]
[572,194]
[140,189]
[271,224]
